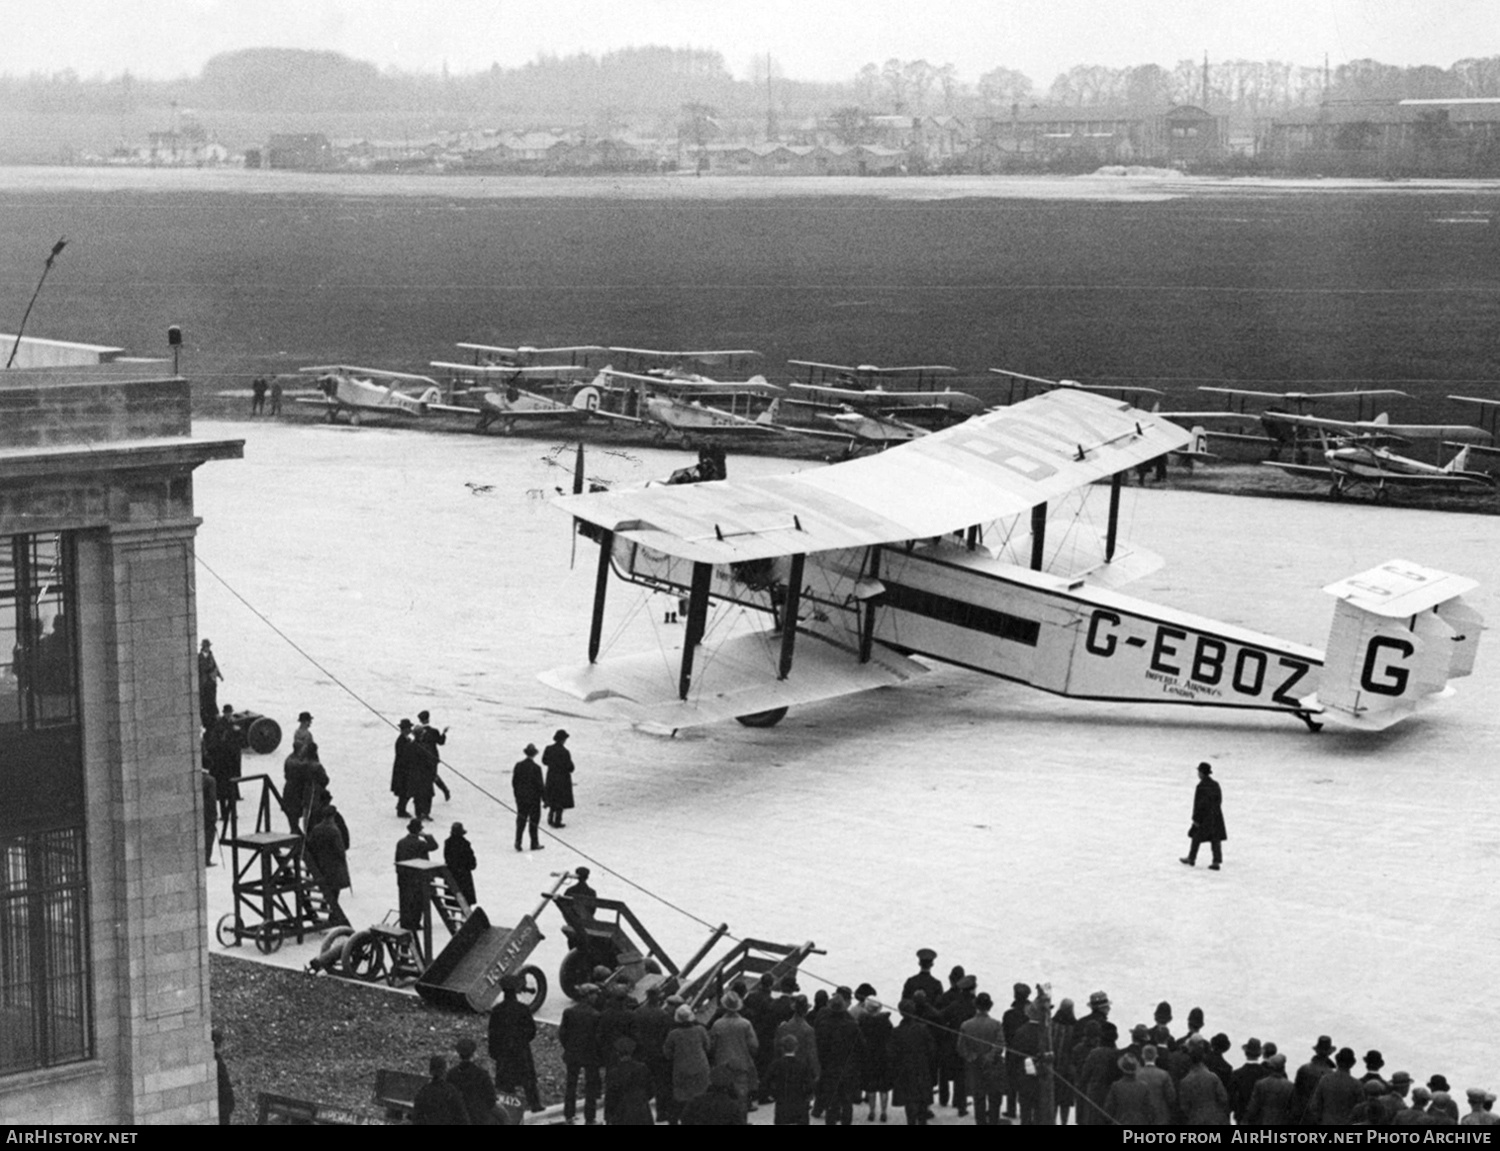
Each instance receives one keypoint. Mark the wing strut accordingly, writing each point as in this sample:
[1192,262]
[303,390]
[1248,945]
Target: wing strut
[789,615]
[601,581]
[867,625]
[1038,535]
[1112,534]
[697,619]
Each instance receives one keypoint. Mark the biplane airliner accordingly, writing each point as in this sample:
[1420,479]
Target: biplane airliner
[501,399]
[941,548]
[372,391]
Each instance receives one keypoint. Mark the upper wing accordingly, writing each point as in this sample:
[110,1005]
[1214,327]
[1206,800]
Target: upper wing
[370,373]
[995,465]
[545,371]
[1464,433]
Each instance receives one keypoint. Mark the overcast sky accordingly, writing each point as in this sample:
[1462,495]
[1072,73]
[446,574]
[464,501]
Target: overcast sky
[809,39]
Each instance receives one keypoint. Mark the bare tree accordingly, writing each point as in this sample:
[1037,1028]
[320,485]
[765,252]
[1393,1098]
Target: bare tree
[851,124]
[893,75]
[999,88]
[920,76]
[947,79]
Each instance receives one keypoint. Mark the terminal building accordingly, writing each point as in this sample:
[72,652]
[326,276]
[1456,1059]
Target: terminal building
[104,998]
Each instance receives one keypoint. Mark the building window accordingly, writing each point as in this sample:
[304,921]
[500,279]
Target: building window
[45,1016]
[45,993]
[37,675]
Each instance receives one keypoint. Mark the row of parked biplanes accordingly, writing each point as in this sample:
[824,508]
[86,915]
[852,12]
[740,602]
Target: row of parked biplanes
[870,407]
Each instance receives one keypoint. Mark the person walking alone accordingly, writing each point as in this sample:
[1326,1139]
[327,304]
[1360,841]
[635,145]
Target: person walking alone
[1208,818]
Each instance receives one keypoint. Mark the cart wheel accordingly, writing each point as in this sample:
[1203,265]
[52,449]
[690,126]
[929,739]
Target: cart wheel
[333,948]
[533,990]
[576,970]
[263,735]
[363,957]
[267,940]
[227,932]
[762,718]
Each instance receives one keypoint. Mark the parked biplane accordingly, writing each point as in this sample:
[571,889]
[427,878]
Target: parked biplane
[1354,463]
[680,365]
[524,355]
[923,550]
[690,407]
[372,391]
[857,402]
[1278,430]
[501,399]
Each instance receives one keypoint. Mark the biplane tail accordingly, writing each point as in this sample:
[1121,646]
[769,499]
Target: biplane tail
[1400,632]
[1460,462]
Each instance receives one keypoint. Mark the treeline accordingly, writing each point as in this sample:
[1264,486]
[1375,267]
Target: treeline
[645,87]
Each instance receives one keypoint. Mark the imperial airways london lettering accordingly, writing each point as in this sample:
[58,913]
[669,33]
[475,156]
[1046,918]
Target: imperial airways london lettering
[1481,1136]
[1195,665]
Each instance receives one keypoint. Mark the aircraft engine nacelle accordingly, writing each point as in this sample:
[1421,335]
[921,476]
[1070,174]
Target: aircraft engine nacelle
[1400,632]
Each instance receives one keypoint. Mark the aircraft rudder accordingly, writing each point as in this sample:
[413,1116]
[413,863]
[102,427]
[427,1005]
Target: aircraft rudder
[1400,633]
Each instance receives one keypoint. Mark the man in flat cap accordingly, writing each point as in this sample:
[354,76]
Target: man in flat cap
[1208,818]
[528,788]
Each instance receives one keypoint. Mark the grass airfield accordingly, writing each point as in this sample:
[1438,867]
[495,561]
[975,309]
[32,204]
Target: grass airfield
[1024,836]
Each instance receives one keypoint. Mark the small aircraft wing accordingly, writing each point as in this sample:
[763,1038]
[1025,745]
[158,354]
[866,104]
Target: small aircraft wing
[1107,389]
[995,465]
[1462,433]
[735,682]
[369,373]
[543,371]
[1305,397]
[1314,471]
[846,368]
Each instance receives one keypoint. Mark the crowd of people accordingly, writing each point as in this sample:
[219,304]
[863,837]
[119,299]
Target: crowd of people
[844,1056]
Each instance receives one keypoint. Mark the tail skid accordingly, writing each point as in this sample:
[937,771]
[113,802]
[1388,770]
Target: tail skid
[1400,632]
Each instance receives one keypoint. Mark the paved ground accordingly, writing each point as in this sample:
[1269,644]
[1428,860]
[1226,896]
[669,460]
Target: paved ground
[1023,836]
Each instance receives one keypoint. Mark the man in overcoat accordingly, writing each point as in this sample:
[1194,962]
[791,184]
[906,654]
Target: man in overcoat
[401,769]
[1208,818]
[458,854]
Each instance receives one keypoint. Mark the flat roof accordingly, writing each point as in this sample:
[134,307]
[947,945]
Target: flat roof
[65,375]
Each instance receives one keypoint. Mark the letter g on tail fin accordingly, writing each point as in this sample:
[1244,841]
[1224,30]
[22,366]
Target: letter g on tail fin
[1400,632]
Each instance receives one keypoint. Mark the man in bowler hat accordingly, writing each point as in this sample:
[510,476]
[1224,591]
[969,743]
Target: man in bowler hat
[1208,818]
[528,788]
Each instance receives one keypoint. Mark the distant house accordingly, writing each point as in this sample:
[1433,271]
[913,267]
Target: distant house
[307,151]
[1412,137]
[1100,135]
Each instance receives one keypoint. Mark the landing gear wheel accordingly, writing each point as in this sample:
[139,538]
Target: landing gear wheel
[574,972]
[354,419]
[227,932]
[267,940]
[533,988]
[761,718]
[363,957]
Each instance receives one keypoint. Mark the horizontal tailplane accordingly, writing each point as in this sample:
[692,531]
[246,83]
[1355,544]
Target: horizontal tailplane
[1400,633]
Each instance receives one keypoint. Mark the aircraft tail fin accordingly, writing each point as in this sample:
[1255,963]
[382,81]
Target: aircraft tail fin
[1460,462]
[1400,632]
[1382,418]
[1199,446]
[586,399]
